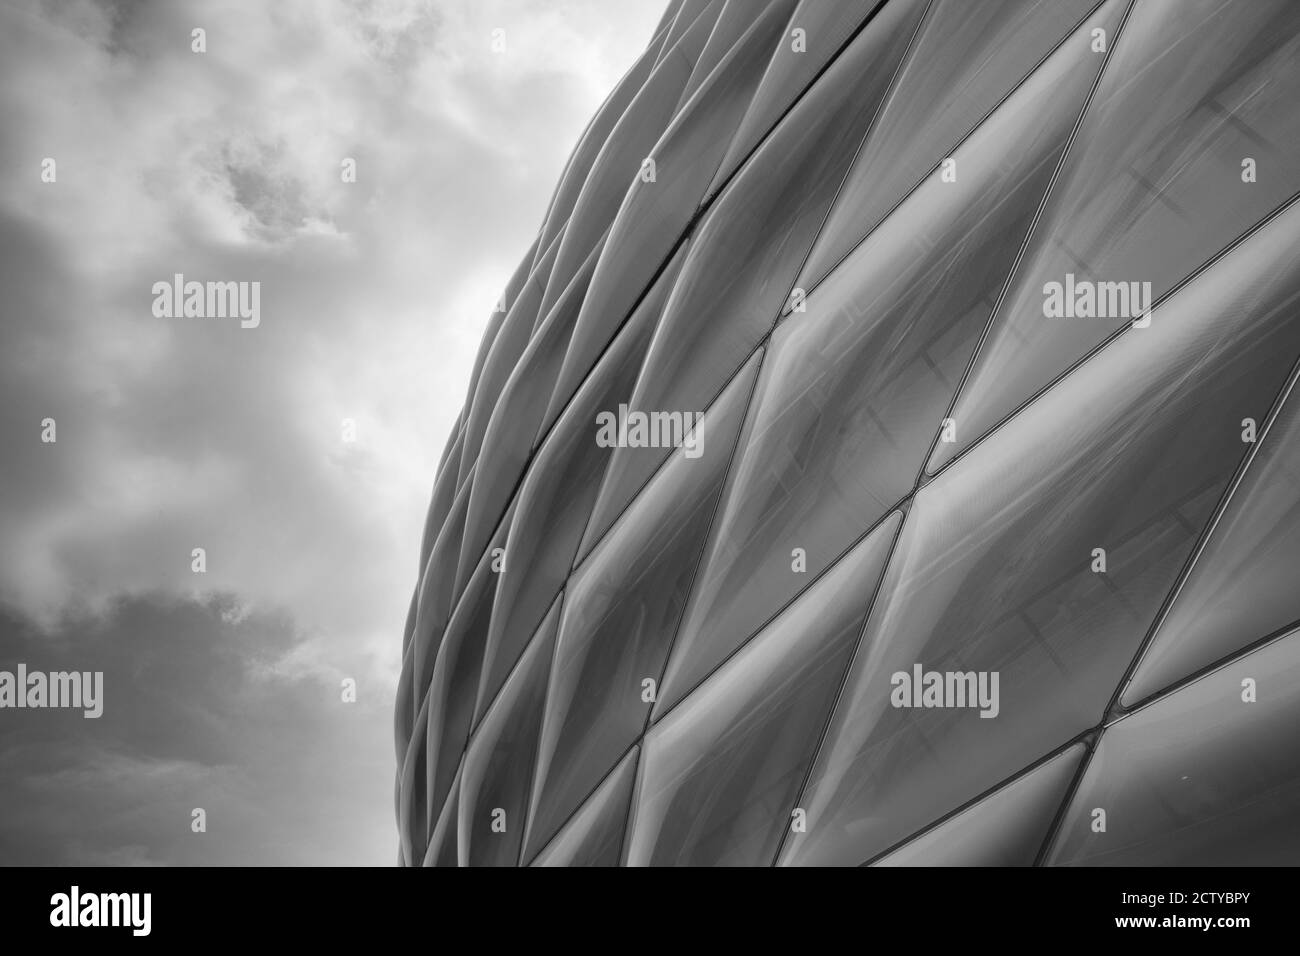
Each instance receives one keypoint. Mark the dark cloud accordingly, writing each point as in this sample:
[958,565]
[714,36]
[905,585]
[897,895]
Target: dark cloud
[204,705]
[183,433]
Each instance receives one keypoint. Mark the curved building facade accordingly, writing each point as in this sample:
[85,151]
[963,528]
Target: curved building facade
[887,453]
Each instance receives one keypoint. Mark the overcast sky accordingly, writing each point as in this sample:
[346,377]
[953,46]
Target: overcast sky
[222,689]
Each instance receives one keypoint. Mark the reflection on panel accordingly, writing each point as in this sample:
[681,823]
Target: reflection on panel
[411,801]
[1243,585]
[621,160]
[749,248]
[456,675]
[444,494]
[509,344]
[497,318]
[515,420]
[853,387]
[967,57]
[1209,775]
[968,521]
[442,844]
[796,61]
[494,781]
[662,201]
[1006,828]
[556,499]
[1036,564]
[722,770]
[1152,188]
[594,835]
[623,607]
[436,595]
[698,15]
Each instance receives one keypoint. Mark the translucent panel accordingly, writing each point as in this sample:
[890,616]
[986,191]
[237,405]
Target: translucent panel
[453,436]
[966,58]
[1199,777]
[619,162]
[513,287]
[592,142]
[1243,585]
[555,501]
[409,627]
[622,609]
[994,569]
[735,18]
[594,836]
[700,14]
[1152,185]
[850,393]
[454,684]
[442,844]
[665,21]
[558,322]
[444,495]
[451,449]
[827,27]
[412,810]
[404,708]
[1006,828]
[722,770]
[655,214]
[747,251]
[436,594]
[494,783]
[576,155]
[510,343]
[508,440]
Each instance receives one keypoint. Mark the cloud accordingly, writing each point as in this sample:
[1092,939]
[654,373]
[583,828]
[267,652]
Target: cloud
[201,708]
[174,434]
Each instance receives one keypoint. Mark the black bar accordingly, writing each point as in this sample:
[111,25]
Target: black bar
[640,908]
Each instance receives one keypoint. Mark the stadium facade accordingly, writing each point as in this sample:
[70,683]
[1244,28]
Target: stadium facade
[956,552]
